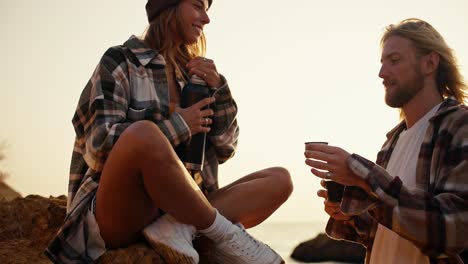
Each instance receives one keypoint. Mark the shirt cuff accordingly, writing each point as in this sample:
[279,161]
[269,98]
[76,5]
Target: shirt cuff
[364,169]
[223,93]
[176,129]
[384,188]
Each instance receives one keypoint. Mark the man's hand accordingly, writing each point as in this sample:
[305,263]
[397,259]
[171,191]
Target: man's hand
[332,208]
[329,162]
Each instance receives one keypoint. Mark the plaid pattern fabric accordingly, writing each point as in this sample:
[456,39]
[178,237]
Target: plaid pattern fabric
[130,84]
[435,216]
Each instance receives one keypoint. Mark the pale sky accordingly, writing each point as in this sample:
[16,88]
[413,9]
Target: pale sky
[299,70]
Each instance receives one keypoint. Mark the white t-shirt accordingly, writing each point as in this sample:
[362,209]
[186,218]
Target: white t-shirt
[388,246]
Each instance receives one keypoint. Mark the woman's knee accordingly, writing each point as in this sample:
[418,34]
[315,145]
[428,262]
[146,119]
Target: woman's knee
[143,130]
[144,136]
[283,182]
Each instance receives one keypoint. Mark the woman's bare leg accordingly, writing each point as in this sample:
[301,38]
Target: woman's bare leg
[141,174]
[253,198]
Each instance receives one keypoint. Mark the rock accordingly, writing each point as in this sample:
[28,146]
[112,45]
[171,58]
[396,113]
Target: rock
[323,248]
[29,224]
[7,193]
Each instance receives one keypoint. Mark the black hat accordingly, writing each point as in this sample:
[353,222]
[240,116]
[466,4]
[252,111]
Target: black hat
[155,7]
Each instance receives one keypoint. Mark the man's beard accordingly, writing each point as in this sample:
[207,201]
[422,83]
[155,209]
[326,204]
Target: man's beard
[402,94]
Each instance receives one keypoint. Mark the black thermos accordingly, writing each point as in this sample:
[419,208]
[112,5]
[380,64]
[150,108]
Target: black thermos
[192,153]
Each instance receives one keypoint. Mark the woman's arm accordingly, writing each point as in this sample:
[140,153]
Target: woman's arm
[224,130]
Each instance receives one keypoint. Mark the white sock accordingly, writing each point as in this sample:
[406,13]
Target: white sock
[218,228]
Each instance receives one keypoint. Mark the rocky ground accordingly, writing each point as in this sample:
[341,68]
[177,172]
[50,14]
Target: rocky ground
[7,193]
[28,224]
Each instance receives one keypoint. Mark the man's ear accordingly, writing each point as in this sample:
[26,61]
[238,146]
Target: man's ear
[430,62]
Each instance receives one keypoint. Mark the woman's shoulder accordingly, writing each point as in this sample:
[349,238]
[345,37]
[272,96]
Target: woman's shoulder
[133,51]
[115,55]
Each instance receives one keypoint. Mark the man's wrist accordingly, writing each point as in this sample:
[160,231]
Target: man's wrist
[365,186]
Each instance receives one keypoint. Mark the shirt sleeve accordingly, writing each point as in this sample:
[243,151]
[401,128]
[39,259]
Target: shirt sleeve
[175,129]
[360,229]
[101,114]
[224,130]
[435,221]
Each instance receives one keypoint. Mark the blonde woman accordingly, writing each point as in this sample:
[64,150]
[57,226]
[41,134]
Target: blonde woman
[125,173]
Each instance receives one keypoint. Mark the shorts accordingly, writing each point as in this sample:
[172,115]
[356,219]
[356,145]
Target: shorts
[95,244]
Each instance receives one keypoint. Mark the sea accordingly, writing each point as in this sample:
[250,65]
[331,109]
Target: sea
[283,237]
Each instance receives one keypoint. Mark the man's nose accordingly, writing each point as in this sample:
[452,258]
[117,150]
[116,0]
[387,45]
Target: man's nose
[383,73]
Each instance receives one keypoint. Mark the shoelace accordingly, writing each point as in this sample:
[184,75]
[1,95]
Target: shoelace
[246,244]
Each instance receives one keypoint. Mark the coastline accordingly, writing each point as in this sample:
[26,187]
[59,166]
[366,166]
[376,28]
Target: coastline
[283,237]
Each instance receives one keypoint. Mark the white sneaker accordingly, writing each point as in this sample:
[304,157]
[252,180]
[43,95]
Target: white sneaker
[166,234]
[239,247]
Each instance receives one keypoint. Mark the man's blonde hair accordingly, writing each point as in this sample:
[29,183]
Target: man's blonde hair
[426,39]
[162,35]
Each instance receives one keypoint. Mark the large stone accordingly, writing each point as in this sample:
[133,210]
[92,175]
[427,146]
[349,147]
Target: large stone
[29,224]
[323,248]
[6,192]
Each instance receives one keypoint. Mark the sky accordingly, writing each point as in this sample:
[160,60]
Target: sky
[299,70]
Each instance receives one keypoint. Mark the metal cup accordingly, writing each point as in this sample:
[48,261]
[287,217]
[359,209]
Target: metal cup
[316,142]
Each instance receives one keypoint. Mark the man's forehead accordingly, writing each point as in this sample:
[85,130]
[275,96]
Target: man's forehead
[396,44]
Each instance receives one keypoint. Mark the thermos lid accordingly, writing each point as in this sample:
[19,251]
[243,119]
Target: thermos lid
[197,80]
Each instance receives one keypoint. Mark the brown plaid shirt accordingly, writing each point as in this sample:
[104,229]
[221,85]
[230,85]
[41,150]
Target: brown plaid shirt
[435,215]
[130,84]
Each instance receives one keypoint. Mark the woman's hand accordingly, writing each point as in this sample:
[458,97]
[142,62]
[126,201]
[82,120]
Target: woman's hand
[205,69]
[332,208]
[197,118]
[329,162]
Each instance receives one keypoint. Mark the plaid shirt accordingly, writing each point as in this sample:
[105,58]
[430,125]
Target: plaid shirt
[128,85]
[435,215]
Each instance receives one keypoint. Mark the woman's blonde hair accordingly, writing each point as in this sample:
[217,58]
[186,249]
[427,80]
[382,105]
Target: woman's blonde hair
[164,34]
[426,39]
